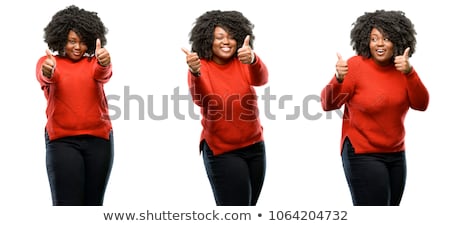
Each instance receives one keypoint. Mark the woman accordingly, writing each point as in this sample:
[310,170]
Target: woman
[78,133]
[222,72]
[377,87]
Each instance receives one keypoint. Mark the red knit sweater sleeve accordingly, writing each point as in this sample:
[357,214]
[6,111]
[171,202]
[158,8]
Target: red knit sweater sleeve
[259,75]
[102,74]
[198,85]
[335,94]
[417,92]
[44,81]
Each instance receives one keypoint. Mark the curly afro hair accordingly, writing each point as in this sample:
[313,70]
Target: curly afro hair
[87,25]
[392,24]
[202,33]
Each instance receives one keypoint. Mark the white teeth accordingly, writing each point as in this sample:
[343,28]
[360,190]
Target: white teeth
[380,52]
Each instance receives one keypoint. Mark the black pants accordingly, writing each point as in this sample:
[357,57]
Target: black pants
[374,179]
[78,169]
[236,177]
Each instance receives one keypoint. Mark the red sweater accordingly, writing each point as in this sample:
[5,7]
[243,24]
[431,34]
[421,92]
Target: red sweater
[376,102]
[228,103]
[76,102]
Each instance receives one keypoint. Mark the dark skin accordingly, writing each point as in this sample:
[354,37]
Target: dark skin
[75,49]
[381,50]
[224,47]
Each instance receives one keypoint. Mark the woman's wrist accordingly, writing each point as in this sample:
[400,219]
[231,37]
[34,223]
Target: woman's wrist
[339,78]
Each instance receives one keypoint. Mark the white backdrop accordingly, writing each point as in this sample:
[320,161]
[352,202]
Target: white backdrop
[157,166]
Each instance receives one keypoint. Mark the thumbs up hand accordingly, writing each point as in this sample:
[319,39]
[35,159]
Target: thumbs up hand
[402,62]
[341,68]
[49,64]
[102,54]
[192,60]
[245,53]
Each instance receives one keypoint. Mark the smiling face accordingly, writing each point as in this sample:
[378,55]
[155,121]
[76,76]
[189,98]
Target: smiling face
[381,48]
[223,47]
[75,47]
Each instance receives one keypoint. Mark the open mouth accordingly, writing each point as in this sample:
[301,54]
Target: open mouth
[380,52]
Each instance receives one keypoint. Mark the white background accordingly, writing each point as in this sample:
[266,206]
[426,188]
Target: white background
[157,166]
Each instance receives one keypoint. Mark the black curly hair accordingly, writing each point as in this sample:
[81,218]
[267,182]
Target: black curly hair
[87,25]
[392,24]
[233,22]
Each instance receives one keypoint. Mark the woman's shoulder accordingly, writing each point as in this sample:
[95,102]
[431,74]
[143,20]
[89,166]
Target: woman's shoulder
[355,59]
